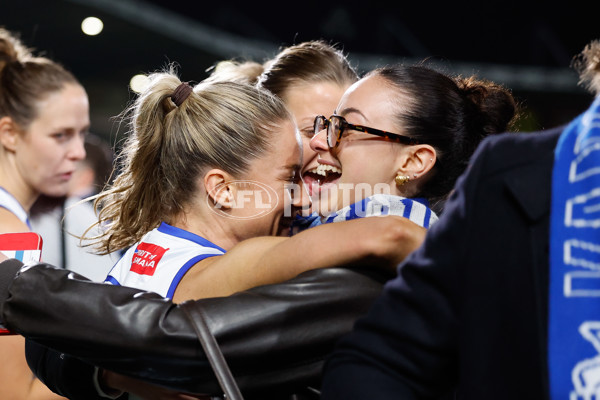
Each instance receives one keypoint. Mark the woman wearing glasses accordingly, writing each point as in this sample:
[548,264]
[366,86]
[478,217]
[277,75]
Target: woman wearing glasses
[403,132]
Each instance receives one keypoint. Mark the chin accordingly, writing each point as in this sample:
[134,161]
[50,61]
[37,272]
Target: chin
[55,191]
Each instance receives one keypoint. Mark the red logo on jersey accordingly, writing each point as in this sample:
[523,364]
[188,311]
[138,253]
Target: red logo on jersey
[146,258]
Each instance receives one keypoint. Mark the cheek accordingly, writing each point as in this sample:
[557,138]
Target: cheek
[307,153]
[32,159]
[41,150]
[283,204]
[355,168]
[376,167]
[274,201]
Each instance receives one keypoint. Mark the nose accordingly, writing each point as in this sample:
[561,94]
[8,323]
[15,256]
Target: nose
[319,141]
[77,148]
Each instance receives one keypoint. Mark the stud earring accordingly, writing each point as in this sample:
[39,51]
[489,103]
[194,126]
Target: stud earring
[402,179]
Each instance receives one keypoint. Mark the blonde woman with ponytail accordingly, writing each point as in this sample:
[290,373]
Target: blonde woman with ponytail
[44,115]
[189,152]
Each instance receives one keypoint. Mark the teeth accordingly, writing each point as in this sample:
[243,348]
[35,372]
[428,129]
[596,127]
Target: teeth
[324,169]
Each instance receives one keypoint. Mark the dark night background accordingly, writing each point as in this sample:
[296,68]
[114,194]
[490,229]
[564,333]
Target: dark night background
[527,46]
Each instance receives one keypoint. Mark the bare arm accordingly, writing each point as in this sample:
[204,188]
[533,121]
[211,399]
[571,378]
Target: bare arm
[18,382]
[381,241]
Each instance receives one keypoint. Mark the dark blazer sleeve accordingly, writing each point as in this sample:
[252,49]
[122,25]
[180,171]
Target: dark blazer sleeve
[273,337]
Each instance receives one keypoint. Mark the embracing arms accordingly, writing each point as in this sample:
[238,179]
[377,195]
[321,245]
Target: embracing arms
[378,242]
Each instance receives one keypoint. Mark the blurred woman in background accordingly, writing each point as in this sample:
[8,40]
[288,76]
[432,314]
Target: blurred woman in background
[44,116]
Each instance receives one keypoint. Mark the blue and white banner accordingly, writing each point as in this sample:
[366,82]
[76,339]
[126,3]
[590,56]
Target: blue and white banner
[574,294]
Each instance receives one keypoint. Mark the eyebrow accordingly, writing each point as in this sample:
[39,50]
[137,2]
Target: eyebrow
[70,128]
[352,110]
[306,120]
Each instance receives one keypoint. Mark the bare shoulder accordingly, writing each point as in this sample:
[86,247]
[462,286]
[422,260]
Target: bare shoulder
[10,223]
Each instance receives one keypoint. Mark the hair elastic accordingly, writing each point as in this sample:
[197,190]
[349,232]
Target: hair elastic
[181,93]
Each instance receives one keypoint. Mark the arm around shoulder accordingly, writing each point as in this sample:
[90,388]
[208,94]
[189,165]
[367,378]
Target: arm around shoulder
[381,242]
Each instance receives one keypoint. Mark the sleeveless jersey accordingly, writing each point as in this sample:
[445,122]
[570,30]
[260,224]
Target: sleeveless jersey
[159,261]
[8,202]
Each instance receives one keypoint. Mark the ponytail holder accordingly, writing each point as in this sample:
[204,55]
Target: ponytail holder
[181,93]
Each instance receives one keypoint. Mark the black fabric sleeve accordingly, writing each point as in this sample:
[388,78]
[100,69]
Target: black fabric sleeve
[8,271]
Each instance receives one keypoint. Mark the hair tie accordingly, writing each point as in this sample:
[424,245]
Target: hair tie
[181,93]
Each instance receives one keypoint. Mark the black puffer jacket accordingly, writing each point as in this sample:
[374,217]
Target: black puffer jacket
[275,338]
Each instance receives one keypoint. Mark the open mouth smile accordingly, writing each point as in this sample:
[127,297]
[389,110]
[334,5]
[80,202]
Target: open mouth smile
[320,177]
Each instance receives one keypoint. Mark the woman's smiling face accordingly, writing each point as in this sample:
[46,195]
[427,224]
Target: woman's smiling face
[362,164]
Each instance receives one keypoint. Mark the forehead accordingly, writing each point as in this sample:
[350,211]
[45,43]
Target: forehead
[311,99]
[314,92]
[372,96]
[68,106]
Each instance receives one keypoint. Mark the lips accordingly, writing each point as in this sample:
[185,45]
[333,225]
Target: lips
[321,177]
[66,176]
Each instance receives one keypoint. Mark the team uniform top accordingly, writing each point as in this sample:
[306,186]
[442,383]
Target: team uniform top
[159,261]
[8,202]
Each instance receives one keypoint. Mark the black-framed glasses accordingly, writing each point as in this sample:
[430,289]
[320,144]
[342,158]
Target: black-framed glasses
[336,125]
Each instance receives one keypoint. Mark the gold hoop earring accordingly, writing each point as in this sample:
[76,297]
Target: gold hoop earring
[402,179]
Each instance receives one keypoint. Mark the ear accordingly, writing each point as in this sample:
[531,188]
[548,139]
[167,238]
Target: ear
[218,188]
[416,161]
[9,133]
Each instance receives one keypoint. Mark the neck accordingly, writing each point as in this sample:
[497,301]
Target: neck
[13,183]
[208,225]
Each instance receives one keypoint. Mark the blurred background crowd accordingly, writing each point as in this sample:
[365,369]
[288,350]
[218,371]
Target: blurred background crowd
[524,45]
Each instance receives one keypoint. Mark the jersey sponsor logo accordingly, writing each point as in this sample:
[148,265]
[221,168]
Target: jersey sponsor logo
[146,258]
